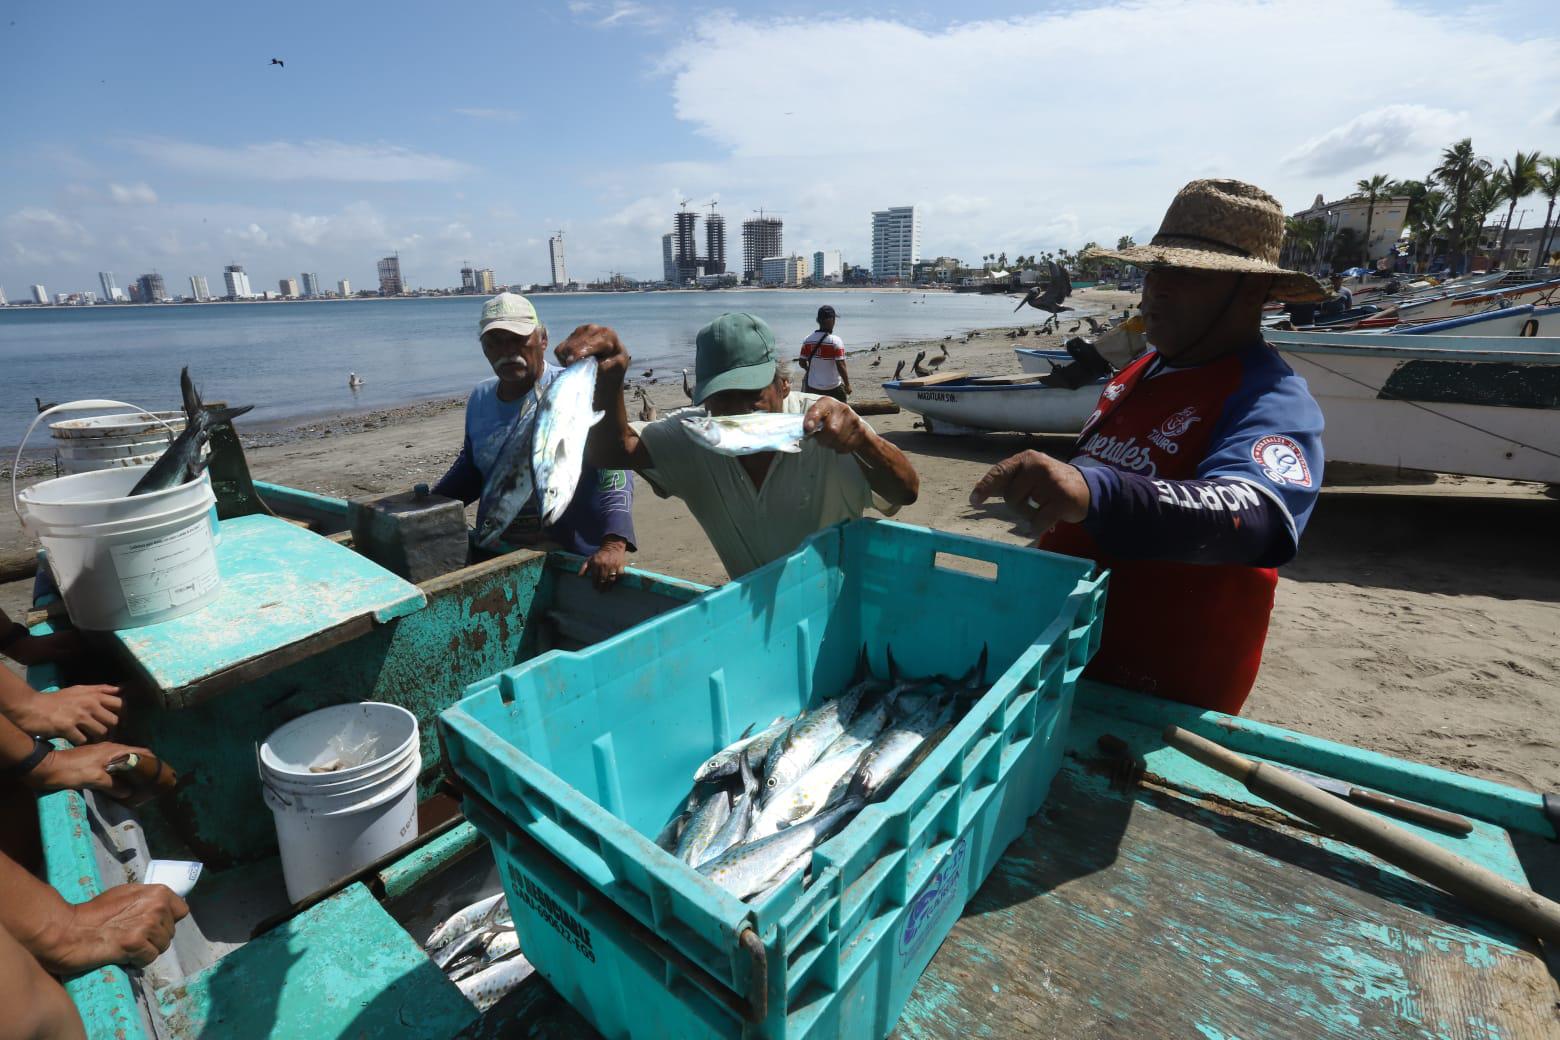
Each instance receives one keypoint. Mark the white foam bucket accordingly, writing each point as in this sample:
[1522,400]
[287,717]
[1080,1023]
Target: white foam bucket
[341,784]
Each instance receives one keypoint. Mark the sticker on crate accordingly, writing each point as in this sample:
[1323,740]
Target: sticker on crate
[549,910]
[943,889]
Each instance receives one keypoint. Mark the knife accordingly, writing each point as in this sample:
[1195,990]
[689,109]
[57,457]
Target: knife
[1451,823]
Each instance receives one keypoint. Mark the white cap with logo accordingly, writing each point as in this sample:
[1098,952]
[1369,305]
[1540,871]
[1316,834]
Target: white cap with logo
[510,312]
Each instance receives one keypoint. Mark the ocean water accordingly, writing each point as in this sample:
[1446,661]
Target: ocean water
[290,360]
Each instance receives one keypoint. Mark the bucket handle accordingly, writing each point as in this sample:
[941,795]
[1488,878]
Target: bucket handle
[69,406]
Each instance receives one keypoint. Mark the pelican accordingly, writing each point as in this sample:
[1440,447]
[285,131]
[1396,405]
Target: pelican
[899,369]
[915,366]
[1094,326]
[1049,297]
[647,411]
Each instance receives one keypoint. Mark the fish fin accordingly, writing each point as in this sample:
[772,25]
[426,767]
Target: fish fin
[893,668]
[191,396]
[749,781]
[226,415]
[863,666]
[744,734]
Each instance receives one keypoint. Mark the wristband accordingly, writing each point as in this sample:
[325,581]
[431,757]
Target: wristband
[40,751]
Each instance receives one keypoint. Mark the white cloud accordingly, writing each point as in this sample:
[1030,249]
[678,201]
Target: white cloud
[495,115]
[1381,133]
[301,160]
[627,11]
[138,194]
[35,235]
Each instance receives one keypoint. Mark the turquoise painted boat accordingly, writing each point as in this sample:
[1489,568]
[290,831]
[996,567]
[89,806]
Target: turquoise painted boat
[1180,905]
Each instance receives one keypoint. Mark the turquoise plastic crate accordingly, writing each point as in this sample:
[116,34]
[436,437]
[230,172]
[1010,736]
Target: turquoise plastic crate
[572,762]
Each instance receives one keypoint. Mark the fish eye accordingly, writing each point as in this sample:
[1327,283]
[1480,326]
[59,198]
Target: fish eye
[770,782]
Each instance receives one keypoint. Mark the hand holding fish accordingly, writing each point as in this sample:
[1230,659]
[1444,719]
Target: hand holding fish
[1044,490]
[606,564]
[601,343]
[836,426]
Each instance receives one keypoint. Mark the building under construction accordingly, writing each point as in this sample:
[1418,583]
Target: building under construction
[761,237]
[390,283]
[714,243]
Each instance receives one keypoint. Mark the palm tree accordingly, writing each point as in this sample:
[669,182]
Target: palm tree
[1300,239]
[1125,242]
[1485,199]
[1460,172]
[1374,187]
[1521,180]
[1549,184]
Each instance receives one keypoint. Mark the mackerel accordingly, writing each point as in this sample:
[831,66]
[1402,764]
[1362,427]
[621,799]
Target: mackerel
[702,828]
[510,486]
[798,865]
[748,434]
[181,461]
[563,422]
[488,986]
[751,868]
[724,762]
[738,825]
[804,743]
[805,797]
[882,760]
[467,919]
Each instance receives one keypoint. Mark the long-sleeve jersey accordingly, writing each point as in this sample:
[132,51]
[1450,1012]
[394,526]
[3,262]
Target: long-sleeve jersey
[1201,482]
[603,500]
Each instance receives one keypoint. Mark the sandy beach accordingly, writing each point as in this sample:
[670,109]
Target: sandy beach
[1421,619]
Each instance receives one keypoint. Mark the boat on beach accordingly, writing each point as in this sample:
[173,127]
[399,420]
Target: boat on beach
[1138,888]
[986,404]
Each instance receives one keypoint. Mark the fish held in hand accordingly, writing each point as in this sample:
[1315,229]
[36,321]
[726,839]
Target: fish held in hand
[563,423]
[510,485]
[747,434]
[181,462]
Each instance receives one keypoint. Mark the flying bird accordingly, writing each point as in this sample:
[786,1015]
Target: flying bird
[278,61]
[1049,297]
[1094,326]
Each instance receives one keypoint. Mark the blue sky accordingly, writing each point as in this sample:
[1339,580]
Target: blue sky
[136,142]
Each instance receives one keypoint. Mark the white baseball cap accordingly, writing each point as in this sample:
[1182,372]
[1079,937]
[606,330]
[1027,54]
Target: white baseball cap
[510,312]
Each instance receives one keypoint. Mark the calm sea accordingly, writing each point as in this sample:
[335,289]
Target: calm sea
[291,359]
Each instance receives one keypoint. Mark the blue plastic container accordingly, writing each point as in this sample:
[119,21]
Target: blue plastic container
[572,763]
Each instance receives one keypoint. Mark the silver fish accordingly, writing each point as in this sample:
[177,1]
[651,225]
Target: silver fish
[694,843]
[724,762]
[488,986]
[753,867]
[800,864]
[805,797]
[667,839]
[467,919]
[863,728]
[747,434]
[804,743]
[880,763]
[181,461]
[738,825]
[563,422]
[510,486]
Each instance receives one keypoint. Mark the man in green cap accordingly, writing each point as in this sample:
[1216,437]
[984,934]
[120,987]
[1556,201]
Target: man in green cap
[754,508]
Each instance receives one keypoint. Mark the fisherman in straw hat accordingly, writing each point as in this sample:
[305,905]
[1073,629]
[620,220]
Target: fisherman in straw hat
[1195,476]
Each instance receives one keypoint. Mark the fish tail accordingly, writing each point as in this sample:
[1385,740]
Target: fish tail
[191,396]
[220,415]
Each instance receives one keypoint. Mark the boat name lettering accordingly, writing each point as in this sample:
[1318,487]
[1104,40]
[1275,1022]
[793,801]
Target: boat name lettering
[549,910]
[940,892]
[1126,454]
[934,395]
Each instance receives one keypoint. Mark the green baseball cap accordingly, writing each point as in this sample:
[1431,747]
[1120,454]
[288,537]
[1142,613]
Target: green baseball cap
[734,352]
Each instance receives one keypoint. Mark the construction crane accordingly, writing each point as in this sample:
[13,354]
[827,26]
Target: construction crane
[684,203]
[771,212]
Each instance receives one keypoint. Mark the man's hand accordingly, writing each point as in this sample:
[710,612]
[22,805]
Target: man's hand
[606,564]
[836,426]
[1037,487]
[599,342]
[128,924]
[79,714]
[82,767]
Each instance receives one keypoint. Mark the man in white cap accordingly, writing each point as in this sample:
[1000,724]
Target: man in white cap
[754,508]
[1194,478]
[599,522]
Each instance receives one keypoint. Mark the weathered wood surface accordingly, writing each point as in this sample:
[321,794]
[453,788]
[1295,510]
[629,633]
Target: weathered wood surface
[874,406]
[932,380]
[20,564]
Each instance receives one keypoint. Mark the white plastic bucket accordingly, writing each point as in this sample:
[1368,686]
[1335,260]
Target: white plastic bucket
[70,465]
[132,425]
[361,807]
[117,439]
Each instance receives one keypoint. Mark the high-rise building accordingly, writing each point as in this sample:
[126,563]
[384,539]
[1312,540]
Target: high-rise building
[198,287]
[761,238]
[110,287]
[390,283]
[714,243]
[669,257]
[468,278]
[827,266]
[287,288]
[135,293]
[484,281]
[152,288]
[311,285]
[686,229]
[896,242]
[3,301]
[40,295]
[237,282]
[344,288]
[783,270]
[560,268]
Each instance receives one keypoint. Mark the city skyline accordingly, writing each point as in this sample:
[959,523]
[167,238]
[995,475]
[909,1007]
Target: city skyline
[256,170]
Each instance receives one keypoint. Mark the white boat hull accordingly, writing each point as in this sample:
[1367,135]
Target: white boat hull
[1527,322]
[1038,362]
[958,407]
[1481,406]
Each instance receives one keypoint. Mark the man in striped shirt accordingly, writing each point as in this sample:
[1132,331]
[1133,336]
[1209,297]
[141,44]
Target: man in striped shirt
[823,359]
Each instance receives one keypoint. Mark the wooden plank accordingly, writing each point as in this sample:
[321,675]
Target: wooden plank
[874,406]
[1033,377]
[933,380]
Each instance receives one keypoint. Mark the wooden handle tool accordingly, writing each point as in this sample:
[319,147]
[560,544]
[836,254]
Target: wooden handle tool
[1479,887]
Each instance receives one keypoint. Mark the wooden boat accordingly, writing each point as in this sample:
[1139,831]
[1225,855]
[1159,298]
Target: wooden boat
[1484,298]
[995,404]
[1178,905]
[1525,321]
[1478,405]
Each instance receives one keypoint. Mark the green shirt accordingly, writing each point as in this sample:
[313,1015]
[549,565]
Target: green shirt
[802,493]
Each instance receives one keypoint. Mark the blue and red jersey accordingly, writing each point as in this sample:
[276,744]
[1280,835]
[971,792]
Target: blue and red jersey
[1201,481]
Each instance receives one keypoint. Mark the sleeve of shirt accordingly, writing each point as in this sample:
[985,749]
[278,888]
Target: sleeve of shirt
[1269,438]
[1138,517]
[462,480]
[603,505]
[670,465]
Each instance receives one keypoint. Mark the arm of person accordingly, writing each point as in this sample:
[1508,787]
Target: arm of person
[38,1007]
[128,924]
[844,377]
[613,443]
[25,648]
[608,511]
[79,714]
[463,480]
[888,472]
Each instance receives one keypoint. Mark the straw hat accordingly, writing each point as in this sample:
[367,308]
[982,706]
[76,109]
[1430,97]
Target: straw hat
[1223,225]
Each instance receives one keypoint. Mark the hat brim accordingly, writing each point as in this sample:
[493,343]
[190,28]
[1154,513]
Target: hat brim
[519,328]
[1288,286]
[750,377]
